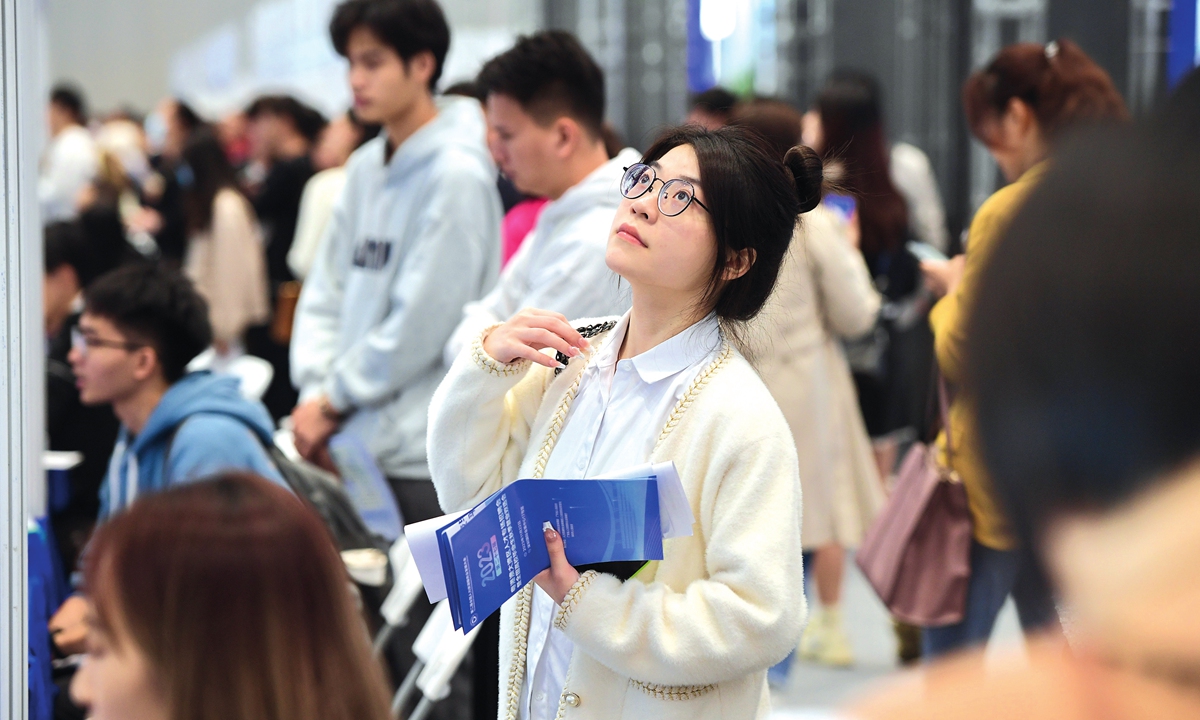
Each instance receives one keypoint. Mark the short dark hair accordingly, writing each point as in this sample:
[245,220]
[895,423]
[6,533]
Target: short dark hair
[1082,346]
[186,116]
[62,244]
[753,197]
[156,305]
[70,98]
[716,100]
[550,74]
[92,245]
[307,121]
[409,27]
[466,88]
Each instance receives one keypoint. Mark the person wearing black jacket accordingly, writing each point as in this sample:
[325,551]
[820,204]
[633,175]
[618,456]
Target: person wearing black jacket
[282,132]
[167,130]
[75,254]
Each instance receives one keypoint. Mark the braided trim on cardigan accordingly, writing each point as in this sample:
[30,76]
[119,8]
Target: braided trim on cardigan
[516,672]
[489,363]
[572,598]
[673,692]
[560,622]
[685,692]
[524,606]
[693,390]
[562,697]
[556,425]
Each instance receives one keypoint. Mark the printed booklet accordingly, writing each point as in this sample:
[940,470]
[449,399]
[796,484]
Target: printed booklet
[481,558]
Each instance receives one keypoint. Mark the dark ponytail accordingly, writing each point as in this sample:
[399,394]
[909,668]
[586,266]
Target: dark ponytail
[851,109]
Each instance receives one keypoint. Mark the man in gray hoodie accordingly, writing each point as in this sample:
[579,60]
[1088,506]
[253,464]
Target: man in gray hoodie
[545,100]
[415,236]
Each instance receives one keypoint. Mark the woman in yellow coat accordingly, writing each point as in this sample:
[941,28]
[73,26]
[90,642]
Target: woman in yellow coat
[1018,106]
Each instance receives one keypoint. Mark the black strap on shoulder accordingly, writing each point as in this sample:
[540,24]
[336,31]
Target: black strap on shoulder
[171,442]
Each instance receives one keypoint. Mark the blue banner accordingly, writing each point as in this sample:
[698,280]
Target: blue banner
[1183,45]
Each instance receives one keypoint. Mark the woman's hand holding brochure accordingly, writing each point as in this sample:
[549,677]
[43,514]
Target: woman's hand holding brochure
[484,556]
[562,576]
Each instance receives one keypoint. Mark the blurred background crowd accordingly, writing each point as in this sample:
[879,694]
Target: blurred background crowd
[202,150]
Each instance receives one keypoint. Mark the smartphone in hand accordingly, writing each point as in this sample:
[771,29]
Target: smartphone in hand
[925,251]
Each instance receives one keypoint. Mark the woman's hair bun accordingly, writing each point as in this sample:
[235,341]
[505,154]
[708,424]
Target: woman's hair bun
[809,174]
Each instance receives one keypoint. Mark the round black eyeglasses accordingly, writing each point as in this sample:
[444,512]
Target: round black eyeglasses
[674,197]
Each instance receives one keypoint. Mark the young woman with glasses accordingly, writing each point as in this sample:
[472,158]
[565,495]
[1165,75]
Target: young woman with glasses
[699,239]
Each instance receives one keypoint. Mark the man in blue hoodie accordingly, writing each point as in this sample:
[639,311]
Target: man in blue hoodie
[141,326]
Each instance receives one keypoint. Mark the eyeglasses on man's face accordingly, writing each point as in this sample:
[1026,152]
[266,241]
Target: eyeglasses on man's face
[675,197]
[81,342]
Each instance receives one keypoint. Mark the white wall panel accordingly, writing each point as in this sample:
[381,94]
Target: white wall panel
[21,365]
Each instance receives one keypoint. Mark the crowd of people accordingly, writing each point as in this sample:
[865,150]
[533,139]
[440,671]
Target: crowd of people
[484,284]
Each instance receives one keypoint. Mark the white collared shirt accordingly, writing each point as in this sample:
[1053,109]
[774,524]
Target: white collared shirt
[614,423]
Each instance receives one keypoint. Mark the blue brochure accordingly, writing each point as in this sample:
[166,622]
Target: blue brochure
[497,547]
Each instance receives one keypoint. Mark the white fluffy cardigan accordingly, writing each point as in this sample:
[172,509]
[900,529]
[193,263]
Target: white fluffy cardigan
[691,637]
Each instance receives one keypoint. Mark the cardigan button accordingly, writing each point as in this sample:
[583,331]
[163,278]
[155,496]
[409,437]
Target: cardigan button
[571,699]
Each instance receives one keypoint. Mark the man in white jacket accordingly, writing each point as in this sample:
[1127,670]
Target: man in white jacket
[415,236]
[545,108]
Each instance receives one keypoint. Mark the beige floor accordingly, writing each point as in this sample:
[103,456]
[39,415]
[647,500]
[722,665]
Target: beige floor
[814,692]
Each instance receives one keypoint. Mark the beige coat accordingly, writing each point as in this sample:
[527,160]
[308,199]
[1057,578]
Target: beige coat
[824,294]
[691,637]
[228,266]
